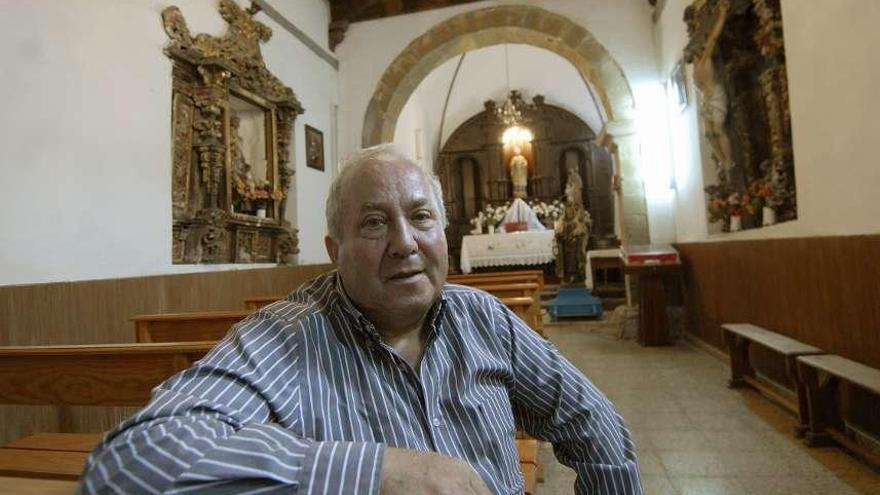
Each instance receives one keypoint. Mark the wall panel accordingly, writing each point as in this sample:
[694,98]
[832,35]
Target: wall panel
[97,312]
[824,291]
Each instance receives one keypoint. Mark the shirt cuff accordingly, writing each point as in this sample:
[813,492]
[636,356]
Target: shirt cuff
[342,467]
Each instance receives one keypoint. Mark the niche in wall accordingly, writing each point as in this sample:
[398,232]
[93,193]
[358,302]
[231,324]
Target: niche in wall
[232,123]
[738,53]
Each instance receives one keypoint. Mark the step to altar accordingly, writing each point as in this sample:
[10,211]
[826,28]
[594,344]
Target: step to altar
[574,301]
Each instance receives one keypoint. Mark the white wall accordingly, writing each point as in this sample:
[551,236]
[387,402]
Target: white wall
[623,27]
[371,46]
[832,79]
[85,149]
[481,77]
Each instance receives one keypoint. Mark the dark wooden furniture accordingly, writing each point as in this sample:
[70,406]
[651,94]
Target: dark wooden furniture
[821,376]
[653,322]
[740,336]
[94,375]
[64,442]
[186,327]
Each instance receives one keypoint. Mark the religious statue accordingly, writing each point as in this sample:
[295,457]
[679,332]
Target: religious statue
[572,236]
[711,91]
[519,173]
[245,184]
[574,185]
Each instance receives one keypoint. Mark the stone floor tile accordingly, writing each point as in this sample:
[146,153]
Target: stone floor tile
[692,433]
[694,485]
[691,463]
[658,485]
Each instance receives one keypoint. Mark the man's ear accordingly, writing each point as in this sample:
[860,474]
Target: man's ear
[332,248]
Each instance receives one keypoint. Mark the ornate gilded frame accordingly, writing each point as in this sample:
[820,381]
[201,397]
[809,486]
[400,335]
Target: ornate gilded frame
[209,223]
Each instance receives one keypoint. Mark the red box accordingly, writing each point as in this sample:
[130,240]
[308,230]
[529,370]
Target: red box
[649,255]
[516,226]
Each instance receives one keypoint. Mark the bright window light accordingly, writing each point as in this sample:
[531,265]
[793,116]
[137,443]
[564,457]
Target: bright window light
[516,135]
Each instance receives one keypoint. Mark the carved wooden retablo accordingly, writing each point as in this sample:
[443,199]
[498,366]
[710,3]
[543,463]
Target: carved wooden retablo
[563,158]
[228,206]
[738,53]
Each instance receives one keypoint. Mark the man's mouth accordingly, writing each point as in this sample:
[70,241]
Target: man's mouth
[405,275]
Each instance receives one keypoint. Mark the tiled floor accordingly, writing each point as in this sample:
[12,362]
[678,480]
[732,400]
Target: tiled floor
[693,434]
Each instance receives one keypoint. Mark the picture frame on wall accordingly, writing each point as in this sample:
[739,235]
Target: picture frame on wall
[314,148]
[678,86]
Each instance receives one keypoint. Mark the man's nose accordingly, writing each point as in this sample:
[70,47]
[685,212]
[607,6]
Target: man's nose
[402,241]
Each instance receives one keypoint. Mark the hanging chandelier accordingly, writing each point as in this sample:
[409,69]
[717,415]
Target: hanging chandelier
[510,112]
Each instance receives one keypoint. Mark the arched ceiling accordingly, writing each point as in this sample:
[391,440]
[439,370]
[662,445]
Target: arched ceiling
[533,71]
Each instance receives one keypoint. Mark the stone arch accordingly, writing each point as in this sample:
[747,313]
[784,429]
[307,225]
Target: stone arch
[515,24]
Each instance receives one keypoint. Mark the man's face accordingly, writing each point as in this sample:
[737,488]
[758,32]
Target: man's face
[392,255]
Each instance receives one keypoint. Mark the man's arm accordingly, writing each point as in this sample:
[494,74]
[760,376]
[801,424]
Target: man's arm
[554,401]
[215,428]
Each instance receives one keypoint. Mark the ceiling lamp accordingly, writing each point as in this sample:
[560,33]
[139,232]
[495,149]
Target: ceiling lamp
[516,135]
[509,112]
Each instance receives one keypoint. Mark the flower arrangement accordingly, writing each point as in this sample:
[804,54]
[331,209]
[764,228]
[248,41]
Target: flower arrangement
[495,214]
[718,195]
[761,194]
[261,190]
[547,213]
[254,195]
[724,203]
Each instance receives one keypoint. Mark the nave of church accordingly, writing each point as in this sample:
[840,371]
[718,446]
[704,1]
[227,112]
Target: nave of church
[679,194]
[694,435]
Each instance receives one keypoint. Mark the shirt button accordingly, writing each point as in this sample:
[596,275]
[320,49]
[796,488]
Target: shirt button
[436,421]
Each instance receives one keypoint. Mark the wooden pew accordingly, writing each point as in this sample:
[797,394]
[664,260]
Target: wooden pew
[93,375]
[533,276]
[824,413]
[186,327]
[257,302]
[516,290]
[739,336]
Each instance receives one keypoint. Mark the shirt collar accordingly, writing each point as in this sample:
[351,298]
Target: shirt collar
[365,326]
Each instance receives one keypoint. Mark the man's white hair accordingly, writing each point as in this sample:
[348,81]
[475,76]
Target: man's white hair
[382,153]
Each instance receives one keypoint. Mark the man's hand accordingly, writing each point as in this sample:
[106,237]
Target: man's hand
[406,472]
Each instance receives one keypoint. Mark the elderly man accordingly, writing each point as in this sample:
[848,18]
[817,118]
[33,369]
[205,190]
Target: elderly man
[374,378]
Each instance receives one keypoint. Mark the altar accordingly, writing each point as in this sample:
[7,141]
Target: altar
[515,248]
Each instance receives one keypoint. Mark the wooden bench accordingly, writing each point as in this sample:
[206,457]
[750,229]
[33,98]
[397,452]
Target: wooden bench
[528,276]
[33,486]
[257,302]
[528,463]
[186,327]
[96,375]
[739,336]
[825,421]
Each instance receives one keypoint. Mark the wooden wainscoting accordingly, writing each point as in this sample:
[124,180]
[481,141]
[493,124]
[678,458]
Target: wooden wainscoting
[98,312]
[823,291]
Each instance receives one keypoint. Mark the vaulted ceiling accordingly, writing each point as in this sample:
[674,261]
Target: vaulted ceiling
[364,10]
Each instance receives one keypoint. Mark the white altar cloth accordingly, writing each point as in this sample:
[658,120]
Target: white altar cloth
[515,248]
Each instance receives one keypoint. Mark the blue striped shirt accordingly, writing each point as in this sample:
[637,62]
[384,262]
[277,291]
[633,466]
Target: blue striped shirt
[303,395]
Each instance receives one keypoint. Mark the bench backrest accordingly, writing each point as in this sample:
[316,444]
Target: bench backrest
[186,327]
[94,375]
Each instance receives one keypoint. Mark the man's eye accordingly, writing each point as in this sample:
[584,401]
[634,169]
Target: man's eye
[373,222]
[422,216]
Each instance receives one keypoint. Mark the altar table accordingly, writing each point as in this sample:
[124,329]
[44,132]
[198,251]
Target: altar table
[515,248]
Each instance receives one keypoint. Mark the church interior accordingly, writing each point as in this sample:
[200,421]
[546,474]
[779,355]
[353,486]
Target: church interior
[676,193]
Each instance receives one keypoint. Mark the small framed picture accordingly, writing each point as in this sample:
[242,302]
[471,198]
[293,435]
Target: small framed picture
[314,148]
[678,86]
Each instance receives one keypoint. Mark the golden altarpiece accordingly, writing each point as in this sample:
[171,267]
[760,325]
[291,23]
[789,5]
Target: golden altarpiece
[738,55]
[474,167]
[232,123]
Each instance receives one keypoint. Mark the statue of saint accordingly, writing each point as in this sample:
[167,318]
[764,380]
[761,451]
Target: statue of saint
[519,173]
[714,104]
[574,185]
[572,236]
